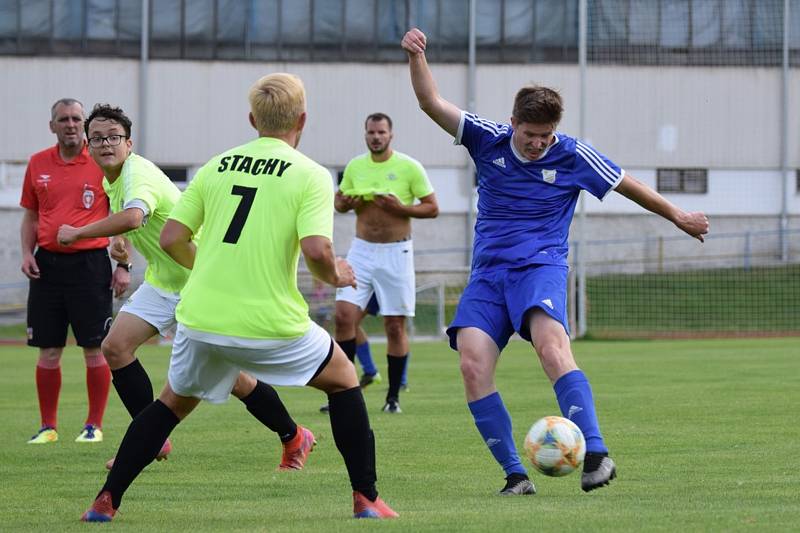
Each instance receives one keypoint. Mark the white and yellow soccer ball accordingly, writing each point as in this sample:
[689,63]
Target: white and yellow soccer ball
[555,446]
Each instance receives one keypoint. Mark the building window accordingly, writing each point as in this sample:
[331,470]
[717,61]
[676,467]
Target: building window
[175,174]
[682,180]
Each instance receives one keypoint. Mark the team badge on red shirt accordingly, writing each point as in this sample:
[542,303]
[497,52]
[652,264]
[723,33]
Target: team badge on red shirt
[88,197]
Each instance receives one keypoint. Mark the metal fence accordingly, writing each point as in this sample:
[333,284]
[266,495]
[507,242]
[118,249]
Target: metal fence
[651,32]
[733,284]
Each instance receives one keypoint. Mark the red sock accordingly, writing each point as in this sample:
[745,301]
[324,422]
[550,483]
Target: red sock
[98,381]
[48,387]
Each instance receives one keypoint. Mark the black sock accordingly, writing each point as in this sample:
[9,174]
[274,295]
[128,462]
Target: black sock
[133,386]
[354,439]
[142,442]
[349,348]
[397,364]
[265,404]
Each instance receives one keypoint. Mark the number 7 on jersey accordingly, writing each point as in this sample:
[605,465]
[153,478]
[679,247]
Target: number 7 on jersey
[248,195]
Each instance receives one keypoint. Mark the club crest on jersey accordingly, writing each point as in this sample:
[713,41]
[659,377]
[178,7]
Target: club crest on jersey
[549,176]
[88,198]
[391,176]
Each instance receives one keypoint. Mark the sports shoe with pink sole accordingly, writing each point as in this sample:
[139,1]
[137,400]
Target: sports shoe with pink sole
[295,452]
[363,508]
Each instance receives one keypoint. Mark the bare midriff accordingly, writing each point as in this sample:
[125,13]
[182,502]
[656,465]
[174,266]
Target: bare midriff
[373,224]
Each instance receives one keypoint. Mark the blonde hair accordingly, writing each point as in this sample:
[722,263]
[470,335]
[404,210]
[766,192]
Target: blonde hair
[277,101]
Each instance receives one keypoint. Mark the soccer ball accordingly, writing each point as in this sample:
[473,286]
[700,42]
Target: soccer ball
[555,446]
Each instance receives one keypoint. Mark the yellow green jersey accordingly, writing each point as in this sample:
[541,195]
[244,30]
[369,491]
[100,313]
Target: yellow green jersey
[255,203]
[142,182]
[400,175]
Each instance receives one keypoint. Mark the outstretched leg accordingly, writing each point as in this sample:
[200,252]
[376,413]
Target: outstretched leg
[479,355]
[574,395]
[142,442]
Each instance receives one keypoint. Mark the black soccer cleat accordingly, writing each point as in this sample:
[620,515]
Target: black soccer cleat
[392,406]
[518,485]
[368,379]
[598,470]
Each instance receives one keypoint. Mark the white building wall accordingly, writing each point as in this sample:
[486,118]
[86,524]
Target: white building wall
[714,117]
[723,119]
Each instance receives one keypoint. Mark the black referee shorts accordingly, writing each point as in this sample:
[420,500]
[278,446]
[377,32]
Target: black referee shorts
[73,290]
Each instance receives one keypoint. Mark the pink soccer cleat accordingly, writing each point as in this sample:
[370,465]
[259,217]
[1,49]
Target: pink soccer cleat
[363,508]
[295,452]
[166,448]
[102,510]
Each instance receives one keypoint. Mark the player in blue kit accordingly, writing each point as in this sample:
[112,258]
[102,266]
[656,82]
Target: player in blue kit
[529,179]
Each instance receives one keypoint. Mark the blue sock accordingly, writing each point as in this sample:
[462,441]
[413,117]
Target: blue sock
[574,396]
[494,425]
[364,355]
[404,379]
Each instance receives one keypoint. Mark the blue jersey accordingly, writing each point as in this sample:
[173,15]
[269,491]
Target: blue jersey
[525,207]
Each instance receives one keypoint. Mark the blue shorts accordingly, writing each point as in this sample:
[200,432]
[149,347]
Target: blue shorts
[372,306]
[498,302]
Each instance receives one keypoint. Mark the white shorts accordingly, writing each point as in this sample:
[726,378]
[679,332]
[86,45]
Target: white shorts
[387,269]
[205,365]
[154,306]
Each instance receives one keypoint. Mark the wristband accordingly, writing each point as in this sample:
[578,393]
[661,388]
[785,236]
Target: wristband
[126,266]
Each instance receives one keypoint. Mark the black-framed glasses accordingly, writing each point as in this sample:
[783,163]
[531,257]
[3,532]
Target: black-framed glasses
[112,140]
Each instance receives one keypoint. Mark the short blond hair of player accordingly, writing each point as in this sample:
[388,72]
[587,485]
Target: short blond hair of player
[276,101]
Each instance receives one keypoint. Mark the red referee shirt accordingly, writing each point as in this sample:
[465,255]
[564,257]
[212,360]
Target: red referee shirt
[64,193]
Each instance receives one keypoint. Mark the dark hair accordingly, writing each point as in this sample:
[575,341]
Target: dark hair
[537,105]
[106,112]
[378,117]
[66,102]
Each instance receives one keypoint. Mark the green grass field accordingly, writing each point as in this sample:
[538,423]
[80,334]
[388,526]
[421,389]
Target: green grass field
[735,300]
[704,433]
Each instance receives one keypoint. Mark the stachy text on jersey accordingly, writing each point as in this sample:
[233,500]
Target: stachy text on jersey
[245,163]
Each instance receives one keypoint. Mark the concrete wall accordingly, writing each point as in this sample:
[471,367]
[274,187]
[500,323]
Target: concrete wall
[644,117]
[723,119]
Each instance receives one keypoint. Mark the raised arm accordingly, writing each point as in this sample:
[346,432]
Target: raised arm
[694,224]
[444,113]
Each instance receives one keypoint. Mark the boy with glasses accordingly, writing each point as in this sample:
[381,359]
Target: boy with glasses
[141,198]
